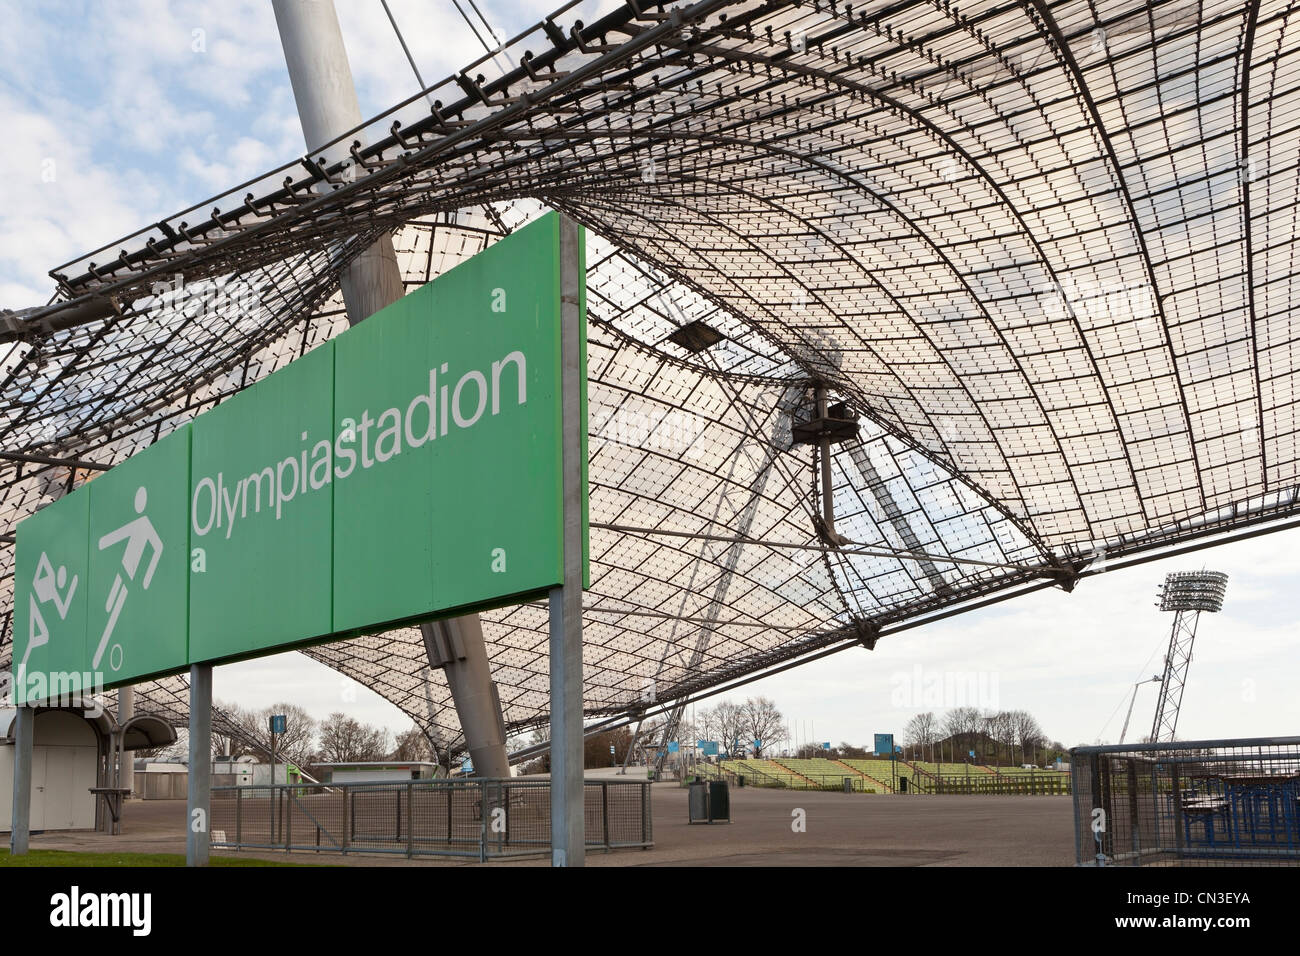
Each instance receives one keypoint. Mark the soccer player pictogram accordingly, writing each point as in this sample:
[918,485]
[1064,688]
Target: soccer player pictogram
[138,534]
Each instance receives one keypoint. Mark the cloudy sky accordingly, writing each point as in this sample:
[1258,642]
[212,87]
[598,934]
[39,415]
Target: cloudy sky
[118,113]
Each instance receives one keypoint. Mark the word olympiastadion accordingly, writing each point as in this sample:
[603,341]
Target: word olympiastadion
[216,503]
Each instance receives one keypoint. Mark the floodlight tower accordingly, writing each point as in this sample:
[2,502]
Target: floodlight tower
[1187,594]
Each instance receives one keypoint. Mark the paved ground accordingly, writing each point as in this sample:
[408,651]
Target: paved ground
[841,830]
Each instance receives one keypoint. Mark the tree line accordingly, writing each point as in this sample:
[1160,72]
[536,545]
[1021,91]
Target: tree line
[306,741]
[1009,737]
[733,726]
[995,737]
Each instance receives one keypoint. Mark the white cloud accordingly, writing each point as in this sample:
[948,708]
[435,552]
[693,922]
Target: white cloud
[58,201]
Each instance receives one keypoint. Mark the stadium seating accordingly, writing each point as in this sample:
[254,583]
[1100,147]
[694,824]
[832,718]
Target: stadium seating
[772,773]
[759,773]
[819,772]
[871,775]
[880,771]
[945,768]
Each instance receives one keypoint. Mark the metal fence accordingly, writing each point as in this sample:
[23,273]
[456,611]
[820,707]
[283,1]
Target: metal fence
[1198,803]
[754,777]
[1042,784]
[811,781]
[479,819]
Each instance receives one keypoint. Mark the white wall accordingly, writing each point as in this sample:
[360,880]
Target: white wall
[63,771]
[370,776]
[7,785]
[261,775]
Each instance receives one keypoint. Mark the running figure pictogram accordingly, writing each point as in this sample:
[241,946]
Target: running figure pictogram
[46,585]
[138,534]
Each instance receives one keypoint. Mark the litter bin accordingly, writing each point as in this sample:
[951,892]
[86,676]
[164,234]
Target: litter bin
[697,801]
[719,802]
[709,802]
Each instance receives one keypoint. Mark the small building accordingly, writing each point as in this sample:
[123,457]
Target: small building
[379,771]
[161,779]
[169,779]
[235,771]
[285,773]
[65,765]
[73,750]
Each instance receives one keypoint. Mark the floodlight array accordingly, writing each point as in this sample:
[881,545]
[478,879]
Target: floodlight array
[1193,591]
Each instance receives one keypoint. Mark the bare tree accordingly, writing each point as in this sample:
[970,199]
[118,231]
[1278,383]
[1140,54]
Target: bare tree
[920,733]
[344,739]
[1027,733]
[687,733]
[606,749]
[1000,726]
[168,753]
[412,745]
[813,751]
[540,734]
[725,723]
[650,739]
[295,744]
[960,725]
[230,740]
[763,723]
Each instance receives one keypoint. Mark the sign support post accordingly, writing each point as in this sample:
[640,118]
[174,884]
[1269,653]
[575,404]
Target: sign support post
[20,827]
[568,832]
[125,711]
[198,838]
[274,804]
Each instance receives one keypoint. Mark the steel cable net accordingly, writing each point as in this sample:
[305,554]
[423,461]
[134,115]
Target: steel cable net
[1046,250]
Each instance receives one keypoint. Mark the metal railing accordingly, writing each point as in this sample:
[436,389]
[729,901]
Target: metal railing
[479,819]
[1042,783]
[824,781]
[1047,783]
[1205,802]
[792,780]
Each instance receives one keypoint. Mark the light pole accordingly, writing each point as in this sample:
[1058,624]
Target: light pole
[1131,701]
[1187,594]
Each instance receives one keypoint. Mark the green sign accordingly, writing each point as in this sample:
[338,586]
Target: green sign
[407,469]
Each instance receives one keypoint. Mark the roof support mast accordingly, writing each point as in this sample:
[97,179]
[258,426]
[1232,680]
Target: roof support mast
[328,108]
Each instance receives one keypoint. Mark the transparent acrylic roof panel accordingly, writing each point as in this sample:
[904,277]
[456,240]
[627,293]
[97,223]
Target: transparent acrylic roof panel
[1046,250]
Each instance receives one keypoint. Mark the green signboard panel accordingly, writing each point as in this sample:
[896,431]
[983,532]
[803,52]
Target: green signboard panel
[259,531]
[458,437]
[50,600]
[408,469]
[387,506]
[138,568]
